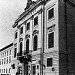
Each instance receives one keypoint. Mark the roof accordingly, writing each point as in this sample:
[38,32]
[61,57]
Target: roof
[6,47]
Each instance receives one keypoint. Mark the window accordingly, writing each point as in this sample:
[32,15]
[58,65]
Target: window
[10,59]
[9,70]
[6,70]
[20,48]
[28,25]
[15,51]
[27,46]
[7,60]
[4,60]
[51,40]
[49,62]
[51,13]
[7,53]
[21,30]
[10,52]
[15,35]
[37,66]
[35,20]
[35,43]
[0,61]
[34,70]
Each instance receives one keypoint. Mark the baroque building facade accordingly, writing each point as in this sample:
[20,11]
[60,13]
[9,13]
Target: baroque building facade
[44,38]
[6,55]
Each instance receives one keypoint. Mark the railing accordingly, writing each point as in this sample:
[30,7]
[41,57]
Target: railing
[24,56]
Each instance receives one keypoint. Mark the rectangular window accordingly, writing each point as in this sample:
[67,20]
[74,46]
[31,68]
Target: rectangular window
[51,40]
[0,61]
[7,53]
[51,13]
[4,60]
[10,59]
[15,35]
[15,50]
[49,62]
[35,20]
[28,25]
[10,52]
[7,60]
[21,30]
[34,70]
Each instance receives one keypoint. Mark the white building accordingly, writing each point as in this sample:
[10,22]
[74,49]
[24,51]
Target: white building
[6,55]
[43,38]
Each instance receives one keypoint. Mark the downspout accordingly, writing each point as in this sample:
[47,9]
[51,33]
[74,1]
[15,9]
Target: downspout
[43,34]
[66,33]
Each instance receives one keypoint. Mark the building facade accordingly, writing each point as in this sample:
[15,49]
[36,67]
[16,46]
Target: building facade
[44,38]
[6,55]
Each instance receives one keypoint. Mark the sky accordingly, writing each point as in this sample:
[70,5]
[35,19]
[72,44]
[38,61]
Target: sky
[9,12]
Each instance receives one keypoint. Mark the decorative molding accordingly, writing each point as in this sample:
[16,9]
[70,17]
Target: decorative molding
[21,39]
[32,17]
[35,32]
[40,11]
[15,45]
[51,28]
[27,36]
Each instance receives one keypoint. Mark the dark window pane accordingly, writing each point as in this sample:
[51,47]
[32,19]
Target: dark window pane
[27,46]
[20,48]
[51,13]
[49,62]
[35,42]
[28,25]
[51,40]
[34,70]
[15,35]
[15,50]
[21,30]
[35,20]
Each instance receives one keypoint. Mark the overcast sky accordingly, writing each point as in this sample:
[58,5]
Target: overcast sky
[9,12]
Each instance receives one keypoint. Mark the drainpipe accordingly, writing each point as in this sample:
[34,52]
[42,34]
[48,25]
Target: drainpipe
[66,33]
[42,53]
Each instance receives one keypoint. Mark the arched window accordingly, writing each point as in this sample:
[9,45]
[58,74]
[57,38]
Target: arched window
[20,48]
[35,43]
[27,46]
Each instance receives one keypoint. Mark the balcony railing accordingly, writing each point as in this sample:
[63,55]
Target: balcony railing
[24,56]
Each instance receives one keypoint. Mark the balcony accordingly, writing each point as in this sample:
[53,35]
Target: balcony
[20,56]
[24,56]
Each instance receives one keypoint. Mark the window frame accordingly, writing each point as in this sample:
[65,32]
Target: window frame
[21,30]
[52,43]
[48,13]
[48,63]
[28,26]
[27,46]
[16,35]
[33,43]
[35,21]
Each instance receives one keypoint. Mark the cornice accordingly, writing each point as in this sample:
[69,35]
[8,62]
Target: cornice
[27,11]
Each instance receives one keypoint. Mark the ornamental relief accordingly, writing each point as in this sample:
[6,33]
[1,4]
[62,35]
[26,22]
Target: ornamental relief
[21,39]
[27,36]
[15,45]
[51,28]
[35,32]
